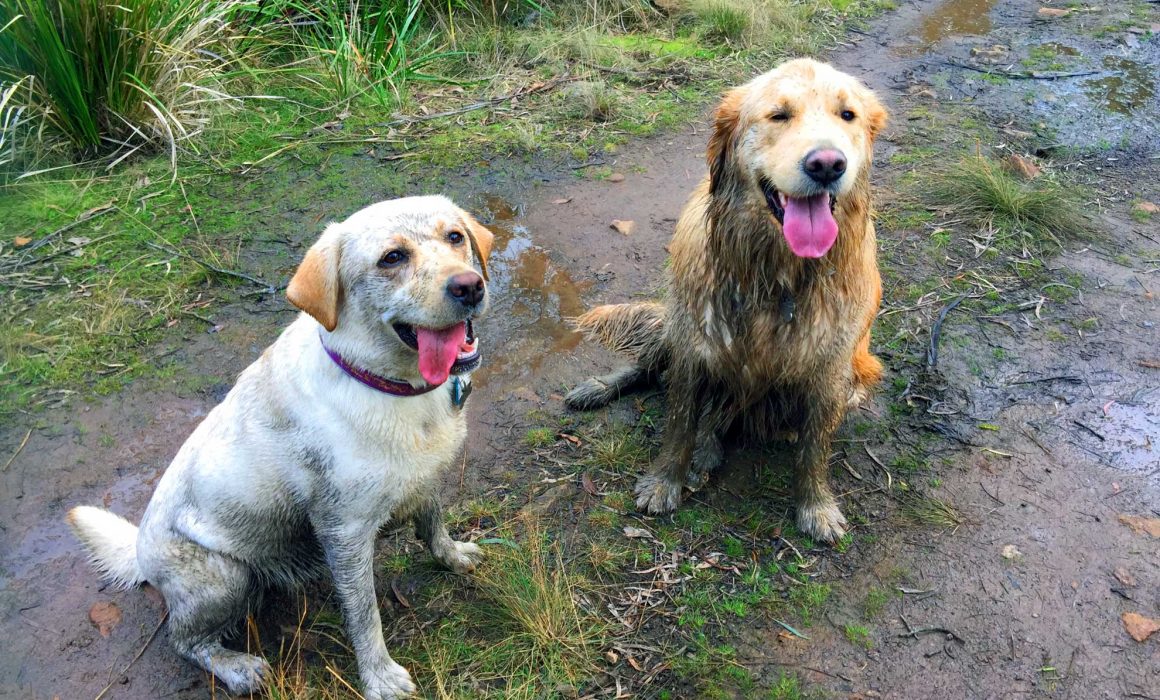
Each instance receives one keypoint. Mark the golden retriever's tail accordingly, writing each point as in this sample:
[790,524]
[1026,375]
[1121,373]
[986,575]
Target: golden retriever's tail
[112,544]
[636,330]
[629,329]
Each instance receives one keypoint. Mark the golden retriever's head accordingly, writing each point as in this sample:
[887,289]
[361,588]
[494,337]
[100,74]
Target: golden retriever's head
[799,137]
[397,277]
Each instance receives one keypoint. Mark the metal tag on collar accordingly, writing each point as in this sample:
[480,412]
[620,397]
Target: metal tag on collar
[460,390]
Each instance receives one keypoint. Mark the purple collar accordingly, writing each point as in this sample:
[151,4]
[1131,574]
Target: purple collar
[377,382]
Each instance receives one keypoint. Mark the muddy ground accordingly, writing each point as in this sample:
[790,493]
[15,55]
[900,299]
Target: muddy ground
[1040,425]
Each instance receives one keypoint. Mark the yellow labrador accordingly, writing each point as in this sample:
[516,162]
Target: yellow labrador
[343,424]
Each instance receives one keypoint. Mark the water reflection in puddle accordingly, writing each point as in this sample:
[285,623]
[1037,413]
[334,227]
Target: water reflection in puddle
[1125,91]
[953,18]
[532,298]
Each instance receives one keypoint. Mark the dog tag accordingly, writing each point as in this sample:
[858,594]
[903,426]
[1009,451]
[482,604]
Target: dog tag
[460,390]
[786,307]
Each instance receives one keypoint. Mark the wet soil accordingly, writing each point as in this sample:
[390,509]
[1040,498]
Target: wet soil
[1045,423]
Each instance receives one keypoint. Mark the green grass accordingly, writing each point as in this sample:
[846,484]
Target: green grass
[539,437]
[859,635]
[1033,214]
[113,77]
[875,602]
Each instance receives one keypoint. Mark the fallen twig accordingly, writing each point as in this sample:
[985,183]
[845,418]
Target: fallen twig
[86,216]
[1022,75]
[1090,429]
[215,269]
[132,661]
[482,104]
[936,331]
[17,452]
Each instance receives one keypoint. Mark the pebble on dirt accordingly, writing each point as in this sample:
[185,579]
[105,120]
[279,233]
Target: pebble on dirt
[624,226]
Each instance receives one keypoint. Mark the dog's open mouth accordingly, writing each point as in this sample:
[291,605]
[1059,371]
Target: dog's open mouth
[442,351]
[807,223]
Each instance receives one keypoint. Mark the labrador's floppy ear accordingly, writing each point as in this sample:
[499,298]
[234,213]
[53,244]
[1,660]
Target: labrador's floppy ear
[481,242]
[315,286]
[724,138]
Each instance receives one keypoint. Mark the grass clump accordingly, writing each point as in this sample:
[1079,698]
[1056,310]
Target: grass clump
[539,437]
[524,636]
[929,510]
[1034,212]
[859,635]
[113,77]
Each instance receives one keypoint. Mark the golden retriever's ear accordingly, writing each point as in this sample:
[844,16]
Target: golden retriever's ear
[315,286]
[724,138]
[481,242]
[875,115]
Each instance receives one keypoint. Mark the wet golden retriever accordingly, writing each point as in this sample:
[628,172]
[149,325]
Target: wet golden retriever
[772,290]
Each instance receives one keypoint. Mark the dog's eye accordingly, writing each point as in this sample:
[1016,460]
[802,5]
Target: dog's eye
[455,237]
[848,115]
[779,116]
[392,258]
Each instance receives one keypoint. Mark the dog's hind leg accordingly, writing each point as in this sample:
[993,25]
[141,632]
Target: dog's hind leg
[660,490]
[430,526]
[817,510]
[207,595]
[595,392]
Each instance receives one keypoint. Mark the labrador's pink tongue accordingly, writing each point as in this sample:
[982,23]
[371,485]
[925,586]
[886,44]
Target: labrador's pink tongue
[809,227]
[438,350]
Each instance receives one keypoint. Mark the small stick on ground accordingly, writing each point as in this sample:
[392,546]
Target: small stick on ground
[936,331]
[132,661]
[215,269]
[17,452]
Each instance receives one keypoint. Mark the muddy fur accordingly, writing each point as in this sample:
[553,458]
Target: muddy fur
[294,473]
[751,335]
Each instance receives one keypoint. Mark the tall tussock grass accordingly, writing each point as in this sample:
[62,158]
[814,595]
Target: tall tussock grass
[114,76]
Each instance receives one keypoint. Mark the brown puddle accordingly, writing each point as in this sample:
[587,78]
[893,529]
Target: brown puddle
[1130,88]
[533,298]
[952,18]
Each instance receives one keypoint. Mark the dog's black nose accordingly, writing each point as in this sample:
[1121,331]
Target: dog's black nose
[824,165]
[466,288]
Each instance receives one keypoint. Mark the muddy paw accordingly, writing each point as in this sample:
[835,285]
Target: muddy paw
[821,521]
[858,396]
[242,673]
[657,494]
[589,394]
[460,557]
[389,683]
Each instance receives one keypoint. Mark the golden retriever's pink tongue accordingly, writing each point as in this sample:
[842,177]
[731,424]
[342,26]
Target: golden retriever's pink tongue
[808,225]
[438,350]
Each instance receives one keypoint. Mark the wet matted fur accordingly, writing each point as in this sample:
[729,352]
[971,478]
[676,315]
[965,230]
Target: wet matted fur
[296,470]
[753,333]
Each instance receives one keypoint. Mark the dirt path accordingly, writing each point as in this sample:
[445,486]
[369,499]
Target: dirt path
[1039,429]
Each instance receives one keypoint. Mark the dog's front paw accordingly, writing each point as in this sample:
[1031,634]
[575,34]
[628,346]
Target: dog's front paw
[657,494]
[390,682]
[821,520]
[858,396]
[460,557]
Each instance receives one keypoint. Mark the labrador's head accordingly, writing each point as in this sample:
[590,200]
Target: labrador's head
[798,137]
[400,275]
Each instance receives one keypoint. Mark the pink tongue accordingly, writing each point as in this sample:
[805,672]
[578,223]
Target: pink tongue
[438,350]
[809,227]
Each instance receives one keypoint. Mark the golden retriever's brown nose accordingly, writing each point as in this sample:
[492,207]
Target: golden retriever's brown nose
[466,288]
[824,165]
